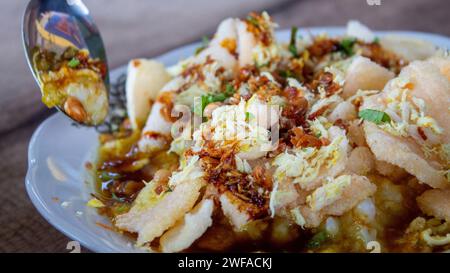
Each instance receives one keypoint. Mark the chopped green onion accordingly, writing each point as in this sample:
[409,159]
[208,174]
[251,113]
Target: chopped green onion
[217,97]
[73,63]
[292,45]
[106,176]
[229,90]
[374,116]
[69,53]
[318,239]
[210,98]
[207,99]
[248,116]
[252,20]
[346,45]
[260,65]
[116,198]
[286,74]
[205,40]
[205,43]
[122,208]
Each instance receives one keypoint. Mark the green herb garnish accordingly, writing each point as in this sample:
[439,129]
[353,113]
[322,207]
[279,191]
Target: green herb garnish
[346,46]
[374,116]
[210,98]
[318,239]
[217,98]
[205,40]
[292,45]
[122,208]
[286,74]
[220,97]
[229,90]
[69,53]
[116,198]
[248,116]
[73,63]
[207,99]
[252,20]
[106,176]
[376,40]
[260,65]
[205,43]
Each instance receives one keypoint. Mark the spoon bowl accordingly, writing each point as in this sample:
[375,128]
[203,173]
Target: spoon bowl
[56,25]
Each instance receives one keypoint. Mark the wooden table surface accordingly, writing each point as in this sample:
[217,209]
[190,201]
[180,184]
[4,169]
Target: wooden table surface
[137,28]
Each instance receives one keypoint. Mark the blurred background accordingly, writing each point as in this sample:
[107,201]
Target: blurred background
[146,28]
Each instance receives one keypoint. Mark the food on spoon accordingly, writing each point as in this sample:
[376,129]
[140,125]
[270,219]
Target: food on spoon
[73,82]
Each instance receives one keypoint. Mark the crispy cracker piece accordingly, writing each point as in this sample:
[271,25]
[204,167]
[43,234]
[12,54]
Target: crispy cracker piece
[223,46]
[152,222]
[365,75]
[155,131]
[344,111]
[389,170]
[145,78]
[361,161]
[146,199]
[359,189]
[360,31]
[246,44]
[355,133]
[230,207]
[311,218]
[192,227]
[170,210]
[426,83]
[408,48]
[435,202]
[443,63]
[238,212]
[351,194]
[286,198]
[396,151]
[429,83]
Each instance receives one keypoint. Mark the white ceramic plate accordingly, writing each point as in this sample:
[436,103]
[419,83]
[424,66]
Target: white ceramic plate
[57,180]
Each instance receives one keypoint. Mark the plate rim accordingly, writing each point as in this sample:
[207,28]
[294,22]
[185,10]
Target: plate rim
[40,204]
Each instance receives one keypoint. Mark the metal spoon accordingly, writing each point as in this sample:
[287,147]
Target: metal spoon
[55,25]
